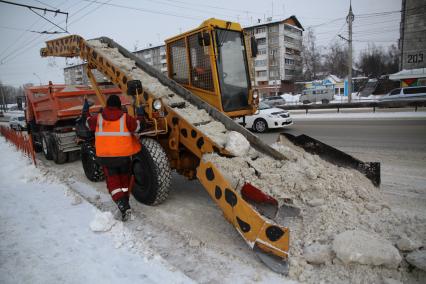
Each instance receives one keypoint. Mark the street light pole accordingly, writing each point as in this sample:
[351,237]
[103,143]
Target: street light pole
[349,20]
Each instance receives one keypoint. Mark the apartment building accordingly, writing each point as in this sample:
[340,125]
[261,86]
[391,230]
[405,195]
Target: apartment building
[279,60]
[155,56]
[77,75]
[412,42]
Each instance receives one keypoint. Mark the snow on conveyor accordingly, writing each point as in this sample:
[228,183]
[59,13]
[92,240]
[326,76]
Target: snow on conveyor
[46,234]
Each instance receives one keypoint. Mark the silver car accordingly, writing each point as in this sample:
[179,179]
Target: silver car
[406,93]
[18,123]
[274,100]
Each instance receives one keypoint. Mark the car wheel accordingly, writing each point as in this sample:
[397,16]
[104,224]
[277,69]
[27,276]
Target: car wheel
[260,125]
[18,128]
[325,101]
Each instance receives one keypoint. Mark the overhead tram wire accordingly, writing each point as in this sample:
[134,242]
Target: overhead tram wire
[29,44]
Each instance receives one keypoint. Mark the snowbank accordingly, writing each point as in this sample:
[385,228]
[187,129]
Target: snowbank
[46,236]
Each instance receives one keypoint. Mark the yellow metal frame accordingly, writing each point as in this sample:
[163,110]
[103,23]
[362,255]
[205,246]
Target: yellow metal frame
[214,98]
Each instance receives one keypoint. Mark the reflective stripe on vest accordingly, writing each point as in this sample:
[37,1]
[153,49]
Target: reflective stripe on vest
[113,138]
[101,132]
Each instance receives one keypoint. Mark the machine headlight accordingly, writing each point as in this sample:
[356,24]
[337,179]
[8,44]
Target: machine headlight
[156,104]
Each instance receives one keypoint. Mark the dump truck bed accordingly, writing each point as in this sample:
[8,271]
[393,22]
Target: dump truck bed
[52,103]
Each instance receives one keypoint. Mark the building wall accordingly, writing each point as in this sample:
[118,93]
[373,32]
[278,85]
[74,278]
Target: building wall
[77,75]
[413,34]
[155,56]
[279,58]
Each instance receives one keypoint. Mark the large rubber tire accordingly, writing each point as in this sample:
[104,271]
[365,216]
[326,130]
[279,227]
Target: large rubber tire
[46,146]
[92,169]
[260,125]
[152,173]
[58,156]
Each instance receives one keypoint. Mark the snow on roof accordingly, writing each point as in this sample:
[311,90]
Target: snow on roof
[408,74]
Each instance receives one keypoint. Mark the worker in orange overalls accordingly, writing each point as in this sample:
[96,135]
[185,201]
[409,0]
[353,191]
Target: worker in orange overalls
[115,145]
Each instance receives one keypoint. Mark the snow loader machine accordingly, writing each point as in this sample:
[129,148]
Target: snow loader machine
[208,81]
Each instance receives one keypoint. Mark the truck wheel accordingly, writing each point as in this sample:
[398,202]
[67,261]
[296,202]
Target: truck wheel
[260,125]
[58,156]
[152,173]
[47,150]
[92,169]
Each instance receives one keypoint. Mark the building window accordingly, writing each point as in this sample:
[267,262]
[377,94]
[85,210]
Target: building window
[261,41]
[274,73]
[289,61]
[261,51]
[273,51]
[260,30]
[260,73]
[273,62]
[260,62]
[273,40]
[288,39]
[273,29]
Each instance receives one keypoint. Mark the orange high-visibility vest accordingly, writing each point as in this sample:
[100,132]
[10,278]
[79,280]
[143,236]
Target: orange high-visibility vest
[113,138]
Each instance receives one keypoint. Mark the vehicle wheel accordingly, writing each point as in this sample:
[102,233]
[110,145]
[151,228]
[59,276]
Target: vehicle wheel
[92,169]
[47,150]
[18,128]
[37,147]
[325,101]
[260,125]
[152,173]
[306,102]
[58,156]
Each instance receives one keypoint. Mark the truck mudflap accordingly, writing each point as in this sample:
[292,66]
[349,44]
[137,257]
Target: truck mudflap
[370,169]
[269,240]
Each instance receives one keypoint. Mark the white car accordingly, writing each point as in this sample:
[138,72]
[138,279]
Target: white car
[17,123]
[405,93]
[267,117]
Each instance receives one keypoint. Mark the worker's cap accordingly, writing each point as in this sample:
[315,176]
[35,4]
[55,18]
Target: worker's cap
[113,101]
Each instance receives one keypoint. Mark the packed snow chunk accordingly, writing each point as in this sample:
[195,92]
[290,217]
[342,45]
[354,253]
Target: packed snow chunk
[417,259]
[406,244]
[102,222]
[318,254]
[365,248]
[237,144]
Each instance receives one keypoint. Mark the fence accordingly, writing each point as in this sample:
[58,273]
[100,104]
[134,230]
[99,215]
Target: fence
[21,141]
[373,105]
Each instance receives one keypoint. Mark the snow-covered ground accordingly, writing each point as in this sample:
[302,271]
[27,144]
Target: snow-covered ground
[47,234]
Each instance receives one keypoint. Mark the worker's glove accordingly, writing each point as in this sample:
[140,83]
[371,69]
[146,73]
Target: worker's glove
[85,106]
[140,112]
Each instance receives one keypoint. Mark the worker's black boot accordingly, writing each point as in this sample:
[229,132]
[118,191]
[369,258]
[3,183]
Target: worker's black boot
[124,207]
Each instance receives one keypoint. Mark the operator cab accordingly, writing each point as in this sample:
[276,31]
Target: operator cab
[211,62]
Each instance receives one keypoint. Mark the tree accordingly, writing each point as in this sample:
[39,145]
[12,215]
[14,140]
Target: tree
[375,61]
[9,94]
[311,56]
[336,60]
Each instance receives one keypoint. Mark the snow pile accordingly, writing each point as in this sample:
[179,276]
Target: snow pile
[48,237]
[237,144]
[102,222]
[334,202]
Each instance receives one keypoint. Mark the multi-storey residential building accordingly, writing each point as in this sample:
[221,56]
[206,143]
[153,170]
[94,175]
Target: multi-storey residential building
[279,58]
[77,75]
[155,56]
[412,42]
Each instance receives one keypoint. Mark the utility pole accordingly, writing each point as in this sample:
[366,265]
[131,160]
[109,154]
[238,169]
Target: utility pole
[349,20]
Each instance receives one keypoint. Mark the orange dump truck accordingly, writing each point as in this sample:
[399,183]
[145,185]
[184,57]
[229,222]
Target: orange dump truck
[51,116]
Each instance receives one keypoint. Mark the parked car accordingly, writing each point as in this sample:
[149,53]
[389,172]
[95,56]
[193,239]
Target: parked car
[274,100]
[323,95]
[18,123]
[266,118]
[406,93]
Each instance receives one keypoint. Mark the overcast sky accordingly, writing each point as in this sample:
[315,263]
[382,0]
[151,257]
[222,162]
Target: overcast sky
[138,23]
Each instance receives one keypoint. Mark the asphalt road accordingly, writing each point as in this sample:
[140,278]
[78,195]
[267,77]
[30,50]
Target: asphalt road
[400,146]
